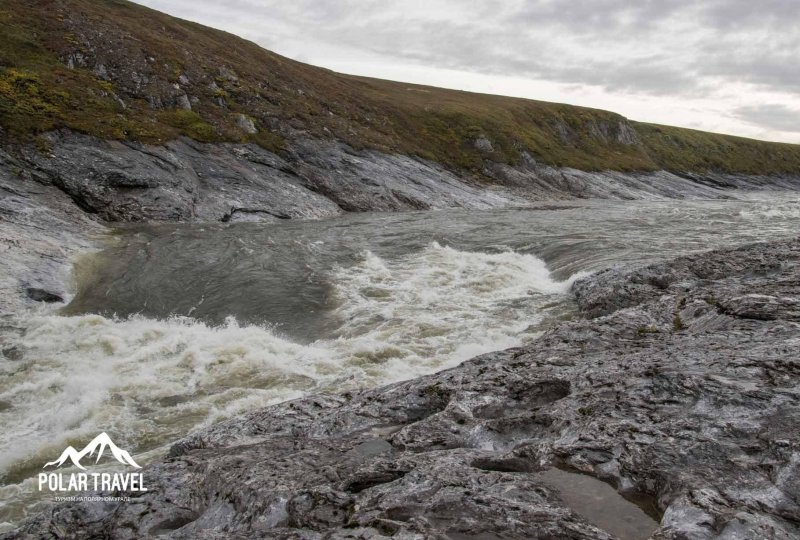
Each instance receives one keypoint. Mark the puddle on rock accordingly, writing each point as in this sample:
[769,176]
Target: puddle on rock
[600,504]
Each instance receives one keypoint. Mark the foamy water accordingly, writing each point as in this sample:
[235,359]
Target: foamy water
[150,381]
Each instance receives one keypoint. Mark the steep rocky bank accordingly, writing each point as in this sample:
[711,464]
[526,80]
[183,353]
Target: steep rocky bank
[54,196]
[41,230]
[679,387]
[120,71]
[189,181]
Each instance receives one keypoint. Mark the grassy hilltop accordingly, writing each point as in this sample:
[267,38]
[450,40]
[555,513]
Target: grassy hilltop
[114,69]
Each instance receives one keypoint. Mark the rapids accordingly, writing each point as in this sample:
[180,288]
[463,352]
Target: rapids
[175,327]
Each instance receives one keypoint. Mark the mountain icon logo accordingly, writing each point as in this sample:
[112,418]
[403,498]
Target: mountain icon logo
[99,444]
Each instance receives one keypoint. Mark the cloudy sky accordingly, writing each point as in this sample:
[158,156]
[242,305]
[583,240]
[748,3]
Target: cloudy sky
[721,65]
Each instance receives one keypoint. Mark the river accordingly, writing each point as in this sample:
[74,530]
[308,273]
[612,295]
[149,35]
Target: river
[175,327]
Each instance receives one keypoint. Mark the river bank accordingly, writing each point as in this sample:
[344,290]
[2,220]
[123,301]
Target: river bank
[680,391]
[53,213]
[56,195]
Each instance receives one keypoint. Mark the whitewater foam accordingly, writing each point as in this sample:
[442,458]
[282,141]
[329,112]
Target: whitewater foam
[149,382]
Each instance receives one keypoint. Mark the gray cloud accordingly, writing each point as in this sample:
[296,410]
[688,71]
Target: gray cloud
[743,14]
[658,47]
[772,116]
[772,70]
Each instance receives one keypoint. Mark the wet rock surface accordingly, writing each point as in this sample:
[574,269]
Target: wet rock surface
[681,390]
[184,180]
[41,229]
[189,181]
[539,181]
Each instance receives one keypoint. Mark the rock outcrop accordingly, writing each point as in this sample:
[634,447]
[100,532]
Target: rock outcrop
[185,180]
[682,389]
[189,181]
[41,229]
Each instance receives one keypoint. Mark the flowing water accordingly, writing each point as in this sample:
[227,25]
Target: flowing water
[175,327]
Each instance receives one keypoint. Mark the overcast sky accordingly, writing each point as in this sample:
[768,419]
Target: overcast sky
[731,66]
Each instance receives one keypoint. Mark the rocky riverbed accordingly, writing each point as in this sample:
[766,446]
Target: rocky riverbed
[678,387]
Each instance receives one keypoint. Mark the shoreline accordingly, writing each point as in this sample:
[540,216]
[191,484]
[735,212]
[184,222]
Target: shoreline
[379,448]
[679,390]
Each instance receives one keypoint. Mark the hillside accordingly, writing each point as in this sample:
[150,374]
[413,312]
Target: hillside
[117,70]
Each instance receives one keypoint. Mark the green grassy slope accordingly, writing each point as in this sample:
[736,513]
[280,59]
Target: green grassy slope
[114,69]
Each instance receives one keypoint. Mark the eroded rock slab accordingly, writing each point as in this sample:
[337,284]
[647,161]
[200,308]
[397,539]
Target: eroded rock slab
[184,180]
[41,230]
[683,391]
